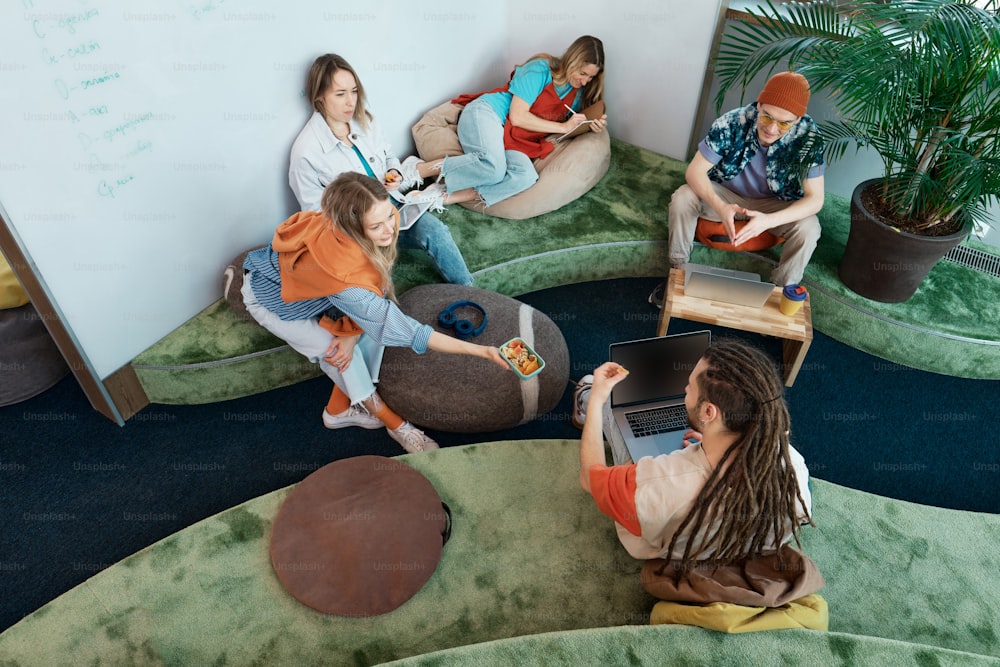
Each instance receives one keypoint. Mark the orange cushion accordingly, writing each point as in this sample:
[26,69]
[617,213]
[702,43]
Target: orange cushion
[713,234]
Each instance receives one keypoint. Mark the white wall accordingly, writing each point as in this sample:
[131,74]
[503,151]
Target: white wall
[656,50]
[143,146]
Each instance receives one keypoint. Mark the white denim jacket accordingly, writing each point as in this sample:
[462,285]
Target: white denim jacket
[318,157]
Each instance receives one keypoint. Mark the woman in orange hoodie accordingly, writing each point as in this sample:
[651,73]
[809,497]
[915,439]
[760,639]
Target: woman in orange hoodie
[324,285]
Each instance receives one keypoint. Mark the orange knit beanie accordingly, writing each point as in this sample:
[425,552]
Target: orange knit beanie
[788,90]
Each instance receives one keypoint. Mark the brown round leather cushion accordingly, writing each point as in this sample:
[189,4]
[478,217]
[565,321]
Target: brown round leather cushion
[359,537]
[714,235]
[462,394]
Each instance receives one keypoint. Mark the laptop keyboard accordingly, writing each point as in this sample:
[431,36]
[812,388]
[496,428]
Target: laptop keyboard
[657,420]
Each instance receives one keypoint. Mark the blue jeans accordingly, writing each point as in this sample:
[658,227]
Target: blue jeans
[311,340]
[495,173]
[433,236]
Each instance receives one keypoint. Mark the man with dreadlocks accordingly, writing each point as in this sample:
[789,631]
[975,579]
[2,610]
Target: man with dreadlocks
[711,517]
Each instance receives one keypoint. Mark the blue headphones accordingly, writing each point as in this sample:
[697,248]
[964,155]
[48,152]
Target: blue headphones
[463,328]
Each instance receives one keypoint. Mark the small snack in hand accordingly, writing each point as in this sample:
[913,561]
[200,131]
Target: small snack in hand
[522,358]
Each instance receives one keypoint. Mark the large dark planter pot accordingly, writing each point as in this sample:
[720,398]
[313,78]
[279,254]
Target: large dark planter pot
[883,264]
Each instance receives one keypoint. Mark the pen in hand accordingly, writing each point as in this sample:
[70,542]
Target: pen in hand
[570,109]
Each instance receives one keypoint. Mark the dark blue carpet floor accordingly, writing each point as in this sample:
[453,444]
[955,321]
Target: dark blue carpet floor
[80,493]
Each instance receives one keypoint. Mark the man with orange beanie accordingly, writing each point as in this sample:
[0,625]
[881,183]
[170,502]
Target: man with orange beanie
[763,164]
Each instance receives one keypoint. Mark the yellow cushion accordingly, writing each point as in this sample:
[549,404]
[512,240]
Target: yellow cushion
[808,612]
[12,295]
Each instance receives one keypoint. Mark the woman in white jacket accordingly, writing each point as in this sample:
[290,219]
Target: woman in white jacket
[341,136]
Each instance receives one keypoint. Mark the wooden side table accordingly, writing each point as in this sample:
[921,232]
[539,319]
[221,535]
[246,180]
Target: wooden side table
[796,331]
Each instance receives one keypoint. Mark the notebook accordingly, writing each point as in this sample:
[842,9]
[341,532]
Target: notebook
[646,414]
[742,288]
[594,111]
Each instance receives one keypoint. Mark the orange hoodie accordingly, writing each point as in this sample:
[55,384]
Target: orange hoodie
[316,259]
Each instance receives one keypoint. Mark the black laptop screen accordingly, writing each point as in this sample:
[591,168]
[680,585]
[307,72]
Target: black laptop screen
[658,367]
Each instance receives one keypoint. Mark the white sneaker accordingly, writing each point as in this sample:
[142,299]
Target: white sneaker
[408,168]
[412,438]
[355,415]
[433,194]
[580,396]
[656,296]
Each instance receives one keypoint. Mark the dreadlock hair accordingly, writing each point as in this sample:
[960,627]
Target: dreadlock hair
[320,78]
[755,497]
[585,50]
[346,202]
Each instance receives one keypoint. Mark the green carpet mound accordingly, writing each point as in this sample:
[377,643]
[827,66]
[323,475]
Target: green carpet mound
[529,554]
[664,646]
[617,230]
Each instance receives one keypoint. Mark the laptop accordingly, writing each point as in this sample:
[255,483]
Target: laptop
[646,415]
[742,288]
[408,214]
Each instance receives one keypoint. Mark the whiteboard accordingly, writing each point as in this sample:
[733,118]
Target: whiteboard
[143,145]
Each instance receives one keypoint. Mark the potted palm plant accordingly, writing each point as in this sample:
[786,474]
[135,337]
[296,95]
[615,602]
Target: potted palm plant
[917,82]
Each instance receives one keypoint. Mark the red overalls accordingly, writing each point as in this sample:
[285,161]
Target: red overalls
[547,105]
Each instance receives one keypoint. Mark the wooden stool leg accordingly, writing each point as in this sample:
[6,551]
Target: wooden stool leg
[661,327]
[668,302]
[793,353]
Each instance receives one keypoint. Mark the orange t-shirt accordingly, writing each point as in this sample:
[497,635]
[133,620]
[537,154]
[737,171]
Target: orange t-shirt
[613,488]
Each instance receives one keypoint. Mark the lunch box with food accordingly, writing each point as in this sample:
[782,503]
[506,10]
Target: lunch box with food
[524,360]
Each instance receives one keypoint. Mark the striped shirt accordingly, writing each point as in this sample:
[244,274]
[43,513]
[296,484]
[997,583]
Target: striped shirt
[380,318]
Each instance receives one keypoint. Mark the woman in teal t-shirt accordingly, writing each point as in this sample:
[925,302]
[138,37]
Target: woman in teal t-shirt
[503,130]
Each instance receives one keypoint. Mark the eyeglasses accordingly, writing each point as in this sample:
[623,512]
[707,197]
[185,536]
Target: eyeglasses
[768,119]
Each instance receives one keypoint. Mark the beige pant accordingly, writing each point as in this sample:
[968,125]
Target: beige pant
[800,236]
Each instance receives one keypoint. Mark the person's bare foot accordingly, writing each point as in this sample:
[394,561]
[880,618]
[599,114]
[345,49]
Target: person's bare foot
[468,194]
